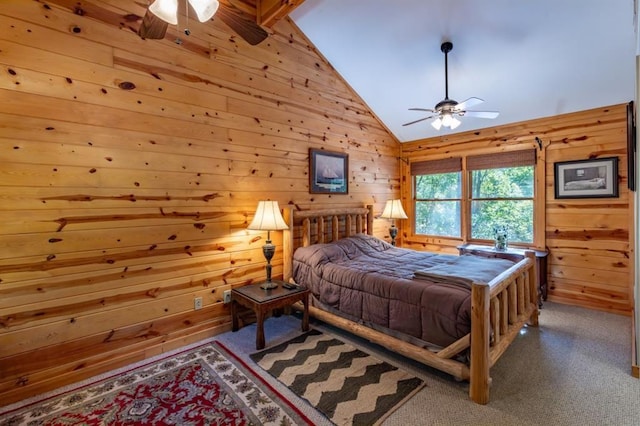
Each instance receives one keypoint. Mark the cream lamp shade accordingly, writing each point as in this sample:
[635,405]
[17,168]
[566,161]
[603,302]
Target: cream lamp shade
[393,210]
[268,218]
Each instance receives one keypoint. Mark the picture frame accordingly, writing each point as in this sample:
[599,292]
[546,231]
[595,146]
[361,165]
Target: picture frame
[593,178]
[328,172]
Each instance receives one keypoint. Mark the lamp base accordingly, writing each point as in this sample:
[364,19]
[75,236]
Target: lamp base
[393,233]
[269,285]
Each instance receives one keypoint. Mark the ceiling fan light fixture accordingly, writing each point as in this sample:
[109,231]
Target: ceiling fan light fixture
[167,10]
[205,9]
[447,109]
[446,119]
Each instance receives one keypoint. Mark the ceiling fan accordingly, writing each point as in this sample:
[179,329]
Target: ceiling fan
[163,12]
[447,109]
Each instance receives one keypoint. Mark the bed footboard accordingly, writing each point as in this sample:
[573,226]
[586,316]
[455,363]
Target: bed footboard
[499,310]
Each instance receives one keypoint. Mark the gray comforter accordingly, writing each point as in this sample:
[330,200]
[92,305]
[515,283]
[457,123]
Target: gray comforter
[370,281]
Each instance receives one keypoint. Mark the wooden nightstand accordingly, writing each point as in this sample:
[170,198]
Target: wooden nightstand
[263,301]
[514,254]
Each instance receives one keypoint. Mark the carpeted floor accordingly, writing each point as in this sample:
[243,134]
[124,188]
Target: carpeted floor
[572,370]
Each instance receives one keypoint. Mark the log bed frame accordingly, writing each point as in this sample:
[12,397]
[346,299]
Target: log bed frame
[499,309]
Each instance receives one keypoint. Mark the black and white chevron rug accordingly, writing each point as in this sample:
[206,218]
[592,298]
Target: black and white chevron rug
[347,385]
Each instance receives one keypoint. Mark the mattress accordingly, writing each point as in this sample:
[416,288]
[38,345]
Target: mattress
[369,281]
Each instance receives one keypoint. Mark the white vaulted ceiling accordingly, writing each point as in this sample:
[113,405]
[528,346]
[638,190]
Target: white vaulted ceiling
[526,58]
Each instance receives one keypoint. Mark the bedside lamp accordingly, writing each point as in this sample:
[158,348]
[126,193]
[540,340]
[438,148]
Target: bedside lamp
[268,218]
[393,210]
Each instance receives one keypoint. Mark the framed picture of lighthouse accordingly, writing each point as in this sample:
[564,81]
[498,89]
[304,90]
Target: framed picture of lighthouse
[328,172]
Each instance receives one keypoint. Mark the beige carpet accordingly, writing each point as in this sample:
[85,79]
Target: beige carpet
[572,370]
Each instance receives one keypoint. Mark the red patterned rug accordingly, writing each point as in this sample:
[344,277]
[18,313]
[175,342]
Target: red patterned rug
[204,385]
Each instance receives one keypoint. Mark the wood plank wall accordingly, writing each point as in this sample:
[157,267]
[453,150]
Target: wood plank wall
[590,241]
[118,207]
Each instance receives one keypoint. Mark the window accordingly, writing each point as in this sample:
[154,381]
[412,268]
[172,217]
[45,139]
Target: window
[438,197]
[500,190]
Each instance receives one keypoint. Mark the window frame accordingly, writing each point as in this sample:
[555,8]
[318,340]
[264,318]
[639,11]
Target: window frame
[471,199]
[459,200]
[539,200]
[438,166]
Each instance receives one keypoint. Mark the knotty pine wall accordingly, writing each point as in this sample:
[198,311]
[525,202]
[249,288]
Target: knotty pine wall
[590,241]
[119,207]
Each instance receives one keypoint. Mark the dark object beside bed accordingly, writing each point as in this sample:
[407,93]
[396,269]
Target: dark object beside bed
[366,279]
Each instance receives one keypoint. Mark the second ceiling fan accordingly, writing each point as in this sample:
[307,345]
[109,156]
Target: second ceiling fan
[447,109]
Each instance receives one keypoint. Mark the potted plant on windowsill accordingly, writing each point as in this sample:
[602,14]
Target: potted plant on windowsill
[501,236]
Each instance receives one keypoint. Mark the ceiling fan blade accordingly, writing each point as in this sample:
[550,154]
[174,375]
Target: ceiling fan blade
[481,114]
[468,103]
[422,109]
[417,121]
[242,23]
[152,27]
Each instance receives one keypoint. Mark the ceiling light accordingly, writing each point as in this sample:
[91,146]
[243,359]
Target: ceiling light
[205,9]
[167,10]
[445,119]
[447,109]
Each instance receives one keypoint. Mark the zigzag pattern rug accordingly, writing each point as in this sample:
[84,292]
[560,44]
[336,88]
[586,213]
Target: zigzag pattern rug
[347,385]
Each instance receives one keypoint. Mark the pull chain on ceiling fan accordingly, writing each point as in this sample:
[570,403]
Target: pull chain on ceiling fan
[447,109]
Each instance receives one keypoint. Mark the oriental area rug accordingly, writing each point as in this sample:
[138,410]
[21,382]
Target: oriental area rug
[205,385]
[349,386]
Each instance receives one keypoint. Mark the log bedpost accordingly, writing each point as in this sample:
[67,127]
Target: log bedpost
[480,362]
[533,288]
[320,230]
[287,244]
[370,219]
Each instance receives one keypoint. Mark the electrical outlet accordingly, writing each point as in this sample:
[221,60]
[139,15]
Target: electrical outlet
[226,296]
[197,303]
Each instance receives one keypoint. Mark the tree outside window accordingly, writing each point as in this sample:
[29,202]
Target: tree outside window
[500,193]
[502,197]
[438,202]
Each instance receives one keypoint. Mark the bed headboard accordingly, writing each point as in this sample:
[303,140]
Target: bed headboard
[308,227]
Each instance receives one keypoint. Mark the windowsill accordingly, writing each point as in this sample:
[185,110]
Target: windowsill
[509,250]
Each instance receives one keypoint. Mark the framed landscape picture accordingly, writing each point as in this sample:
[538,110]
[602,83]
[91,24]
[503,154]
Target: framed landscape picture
[328,172]
[596,178]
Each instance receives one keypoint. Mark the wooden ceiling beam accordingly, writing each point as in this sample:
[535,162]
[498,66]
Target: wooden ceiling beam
[245,6]
[270,11]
